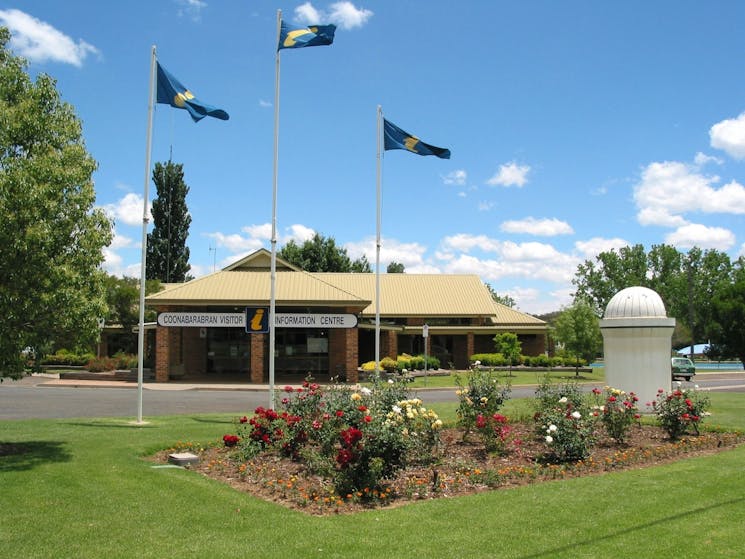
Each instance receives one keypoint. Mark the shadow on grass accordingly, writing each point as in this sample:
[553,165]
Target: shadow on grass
[27,455]
[620,533]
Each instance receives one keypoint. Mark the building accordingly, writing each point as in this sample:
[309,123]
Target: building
[201,330]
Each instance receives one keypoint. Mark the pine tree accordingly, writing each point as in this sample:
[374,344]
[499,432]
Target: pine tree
[167,253]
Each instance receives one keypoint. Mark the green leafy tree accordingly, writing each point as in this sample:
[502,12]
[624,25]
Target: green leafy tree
[123,300]
[505,300]
[577,327]
[51,237]
[321,254]
[686,282]
[509,346]
[612,271]
[167,253]
[395,268]
[728,331]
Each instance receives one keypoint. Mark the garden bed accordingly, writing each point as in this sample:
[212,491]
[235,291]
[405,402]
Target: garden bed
[458,468]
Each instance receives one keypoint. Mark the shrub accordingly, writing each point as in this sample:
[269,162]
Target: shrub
[617,411]
[67,358]
[482,394]
[563,421]
[101,364]
[125,360]
[489,359]
[356,438]
[495,432]
[680,409]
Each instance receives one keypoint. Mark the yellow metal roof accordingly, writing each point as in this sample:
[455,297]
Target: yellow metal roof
[425,295]
[402,295]
[253,288]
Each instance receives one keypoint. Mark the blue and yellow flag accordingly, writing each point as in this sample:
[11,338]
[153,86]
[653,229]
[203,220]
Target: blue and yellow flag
[312,36]
[172,92]
[395,138]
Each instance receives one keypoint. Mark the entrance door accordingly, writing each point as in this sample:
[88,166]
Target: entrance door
[228,350]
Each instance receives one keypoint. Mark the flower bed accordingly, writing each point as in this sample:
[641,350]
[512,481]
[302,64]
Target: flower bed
[463,468]
[342,450]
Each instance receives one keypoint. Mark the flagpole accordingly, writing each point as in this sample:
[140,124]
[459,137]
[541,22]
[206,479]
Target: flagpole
[377,253]
[273,267]
[145,221]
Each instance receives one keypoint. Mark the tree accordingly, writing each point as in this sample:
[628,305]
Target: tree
[167,253]
[509,346]
[685,282]
[395,268]
[577,327]
[728,334]
[123,300]
[505,300]
[320,254]
[51,237]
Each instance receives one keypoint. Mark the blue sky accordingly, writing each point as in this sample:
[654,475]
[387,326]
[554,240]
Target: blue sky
[575,127]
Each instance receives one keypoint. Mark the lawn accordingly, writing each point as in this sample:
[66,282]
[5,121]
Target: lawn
[81,488]
[517,377]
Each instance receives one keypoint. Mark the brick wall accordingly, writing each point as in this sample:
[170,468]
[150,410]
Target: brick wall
[258,344]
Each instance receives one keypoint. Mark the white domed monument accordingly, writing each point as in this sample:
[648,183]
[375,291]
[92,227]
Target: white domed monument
[637,343]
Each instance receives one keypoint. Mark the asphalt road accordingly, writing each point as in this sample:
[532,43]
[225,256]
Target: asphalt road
[34,397]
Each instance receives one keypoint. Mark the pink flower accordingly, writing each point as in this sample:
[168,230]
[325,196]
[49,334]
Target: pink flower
[243,419]
[288,388]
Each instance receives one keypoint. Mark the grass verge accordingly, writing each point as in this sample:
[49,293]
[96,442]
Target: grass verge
[81,488]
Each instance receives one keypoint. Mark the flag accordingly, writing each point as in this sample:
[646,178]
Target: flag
[312,36]
[172,92]
[395,138]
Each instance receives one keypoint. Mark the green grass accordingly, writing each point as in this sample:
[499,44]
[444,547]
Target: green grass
[518,377]
[81,488]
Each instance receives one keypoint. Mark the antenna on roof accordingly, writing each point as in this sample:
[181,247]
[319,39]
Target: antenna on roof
[214,256]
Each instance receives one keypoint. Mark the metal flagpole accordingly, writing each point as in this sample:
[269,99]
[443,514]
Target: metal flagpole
[273,267]
[377,254]
[145,221]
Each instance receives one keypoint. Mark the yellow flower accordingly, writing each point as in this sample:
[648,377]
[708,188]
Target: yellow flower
[356,397]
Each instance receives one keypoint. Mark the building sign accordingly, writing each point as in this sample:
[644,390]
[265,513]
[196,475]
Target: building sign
[257,320]
[202,319]
[301,320]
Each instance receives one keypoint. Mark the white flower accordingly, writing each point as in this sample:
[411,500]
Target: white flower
[552,428]
[695,386]
[563,400]
[549,439]
[576,415]
[390,381]
[365,390]
[396,409]
[404,371]
[477,363]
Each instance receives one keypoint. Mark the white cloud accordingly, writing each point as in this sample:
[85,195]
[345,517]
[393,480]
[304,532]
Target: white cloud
[510,174]
[307,14]
[299,234]
[701,236]
[669,189]
[121,241]
[344,14]
[127,210]
[39,42]
[411,255]
[742,250]
[347,16]
[236,244]
[539,227]
[191,9]
[729,136]
[261,231]
[264,104]
[485,206]
[702,159]
[592,247]
[457,177]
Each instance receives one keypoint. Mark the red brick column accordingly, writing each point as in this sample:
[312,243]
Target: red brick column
[388,344]
[163,337]
[470,345]
[344,351]
[257,358]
